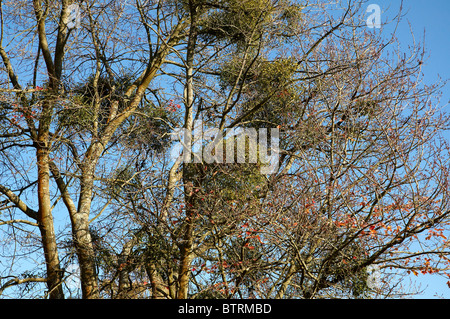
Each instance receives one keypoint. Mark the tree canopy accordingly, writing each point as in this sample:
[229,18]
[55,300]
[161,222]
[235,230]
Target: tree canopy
[118,118]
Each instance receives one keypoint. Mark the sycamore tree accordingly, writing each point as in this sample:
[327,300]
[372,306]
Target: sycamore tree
[98,96]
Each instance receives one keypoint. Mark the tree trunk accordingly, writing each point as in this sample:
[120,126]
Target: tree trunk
[286,282]
[187,241]
[45,221]
[160,290]
[45,218]
[42,144]
[186,250]
[82,236]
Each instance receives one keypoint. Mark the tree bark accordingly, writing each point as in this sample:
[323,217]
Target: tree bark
[82,236]
[42,144]
[187,241]
[44,216]
[45,222]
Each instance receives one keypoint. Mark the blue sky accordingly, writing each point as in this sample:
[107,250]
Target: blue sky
[431,17]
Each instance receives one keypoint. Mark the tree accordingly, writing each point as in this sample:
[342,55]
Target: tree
[360,180]
[40,108]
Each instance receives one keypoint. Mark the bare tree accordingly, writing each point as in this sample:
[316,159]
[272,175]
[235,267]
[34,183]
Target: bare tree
[90,109]
[39,109]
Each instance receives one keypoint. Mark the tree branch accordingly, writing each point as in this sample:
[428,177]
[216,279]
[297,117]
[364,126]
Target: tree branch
[13,198]
[17,281]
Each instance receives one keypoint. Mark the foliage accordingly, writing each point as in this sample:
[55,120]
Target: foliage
[86,152]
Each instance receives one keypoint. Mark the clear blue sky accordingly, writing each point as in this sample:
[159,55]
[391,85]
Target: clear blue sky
[433,18]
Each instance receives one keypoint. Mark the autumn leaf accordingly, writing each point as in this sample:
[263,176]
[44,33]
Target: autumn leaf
[249,246]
